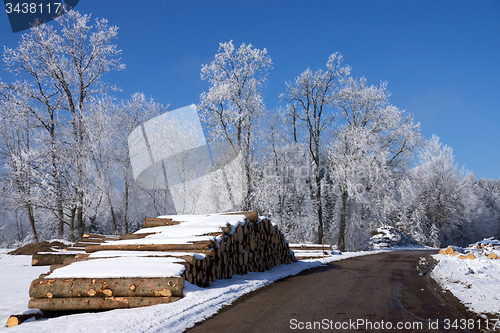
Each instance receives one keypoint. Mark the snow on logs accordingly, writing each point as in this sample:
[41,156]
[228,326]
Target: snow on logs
[488,247]
[59,256]
[312,251]
[150,266]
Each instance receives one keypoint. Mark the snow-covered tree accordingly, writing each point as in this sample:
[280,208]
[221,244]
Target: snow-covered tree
[234,100]
[17,151]
[62,71]
[369,152]
[310,105]
[442,193]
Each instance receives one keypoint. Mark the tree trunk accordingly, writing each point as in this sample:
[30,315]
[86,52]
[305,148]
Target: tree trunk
[31,218]
[113,219]
[342,227]
[320,208]
[125,211]
[80,223]
[72,225]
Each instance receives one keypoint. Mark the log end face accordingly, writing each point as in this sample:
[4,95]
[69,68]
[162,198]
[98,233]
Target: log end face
[12,321]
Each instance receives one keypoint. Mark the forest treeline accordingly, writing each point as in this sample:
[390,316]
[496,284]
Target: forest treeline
[333,161]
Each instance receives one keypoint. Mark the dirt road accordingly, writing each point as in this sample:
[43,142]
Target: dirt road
[376,293]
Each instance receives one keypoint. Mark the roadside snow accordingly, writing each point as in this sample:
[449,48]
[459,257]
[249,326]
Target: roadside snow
[197,305]
[16,274]
[476,283]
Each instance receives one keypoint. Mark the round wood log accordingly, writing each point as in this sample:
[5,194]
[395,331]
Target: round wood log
[96,303]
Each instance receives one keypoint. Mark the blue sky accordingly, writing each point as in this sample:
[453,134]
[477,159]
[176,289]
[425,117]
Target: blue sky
[441,59]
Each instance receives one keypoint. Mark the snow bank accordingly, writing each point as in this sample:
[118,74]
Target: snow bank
[476,283]
[387,236]
[16,274]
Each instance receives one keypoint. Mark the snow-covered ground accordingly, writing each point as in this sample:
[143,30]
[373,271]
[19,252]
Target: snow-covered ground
[17,273]
[476,283]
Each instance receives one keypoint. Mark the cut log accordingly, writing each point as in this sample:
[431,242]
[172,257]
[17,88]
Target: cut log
[442,251]
[310,247]
[84,244]
[470,255]
[94,240]
[96,303]
[47,259]
[15,320]
[152,222]
[252,216]
[492,256]
[449,250]
[103,237]
[117,287]
[198,247]
[135,236]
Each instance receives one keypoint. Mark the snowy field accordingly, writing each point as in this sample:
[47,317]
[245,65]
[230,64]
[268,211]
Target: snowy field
[476,283]
[198,304]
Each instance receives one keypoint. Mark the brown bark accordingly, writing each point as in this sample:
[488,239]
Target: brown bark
[135,236]
[96,303]
[252,216]
[15,320]
[199,247]
[116,287]
[151,222]
[47,259]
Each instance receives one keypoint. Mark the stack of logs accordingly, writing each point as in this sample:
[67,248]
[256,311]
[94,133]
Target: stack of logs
[311,251]
[251,245]
[254,246]
[60,256]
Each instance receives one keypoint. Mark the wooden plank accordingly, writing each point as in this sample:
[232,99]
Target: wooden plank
[107,287]
[96,303]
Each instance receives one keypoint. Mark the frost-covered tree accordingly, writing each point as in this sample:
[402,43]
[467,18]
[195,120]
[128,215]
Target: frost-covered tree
[107,126]
[234,100]
[369,152]
[62,70]
[310,105]
[442,192]
[18,153]
[282,177]
[138,109]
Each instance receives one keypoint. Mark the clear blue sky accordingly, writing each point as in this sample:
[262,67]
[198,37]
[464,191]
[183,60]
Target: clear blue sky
[441,59]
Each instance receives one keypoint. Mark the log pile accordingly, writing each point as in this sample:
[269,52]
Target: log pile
[312,251]
[59,256]
[488,248]
[200,250]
